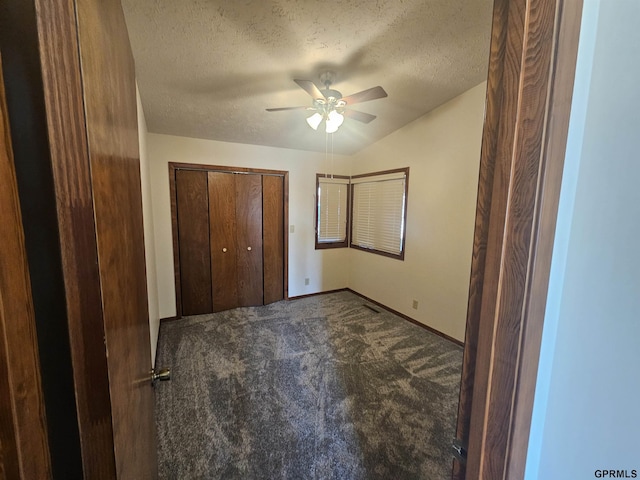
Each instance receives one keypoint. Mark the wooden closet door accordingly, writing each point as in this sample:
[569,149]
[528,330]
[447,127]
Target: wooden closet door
[249,239]
[273,237]
[192,206]
[223,242]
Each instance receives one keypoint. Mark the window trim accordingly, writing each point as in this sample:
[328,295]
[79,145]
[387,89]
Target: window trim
[345,243]
[399,256]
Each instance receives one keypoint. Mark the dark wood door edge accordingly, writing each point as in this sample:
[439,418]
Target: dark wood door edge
[494,95]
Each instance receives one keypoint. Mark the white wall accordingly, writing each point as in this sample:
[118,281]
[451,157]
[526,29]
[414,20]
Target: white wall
[586,415]
[149,236]
[326,269]
[442,150]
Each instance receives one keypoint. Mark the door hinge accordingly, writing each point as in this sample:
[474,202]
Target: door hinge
[459,450]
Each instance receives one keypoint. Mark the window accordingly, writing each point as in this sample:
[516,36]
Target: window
[379,212]
[332,211]
[371,206]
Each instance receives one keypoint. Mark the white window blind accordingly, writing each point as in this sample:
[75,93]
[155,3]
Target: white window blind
[332,209]
[378,212]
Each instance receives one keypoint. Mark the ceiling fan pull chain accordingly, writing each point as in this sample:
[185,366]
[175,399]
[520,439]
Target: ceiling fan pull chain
[326,153]
[332,164]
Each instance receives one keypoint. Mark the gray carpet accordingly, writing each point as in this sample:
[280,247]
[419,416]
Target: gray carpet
[316,388]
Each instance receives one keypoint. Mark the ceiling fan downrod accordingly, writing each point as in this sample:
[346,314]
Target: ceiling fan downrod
[327,79]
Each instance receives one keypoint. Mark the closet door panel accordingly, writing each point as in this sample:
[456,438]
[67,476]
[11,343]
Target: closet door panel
[192,206]
[273,237]
[249,239]
[224,247]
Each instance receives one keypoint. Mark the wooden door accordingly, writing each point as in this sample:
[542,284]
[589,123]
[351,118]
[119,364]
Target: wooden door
[246,234]
[223,244]
[249,239]
[273,237]
[108,76]
[192,206]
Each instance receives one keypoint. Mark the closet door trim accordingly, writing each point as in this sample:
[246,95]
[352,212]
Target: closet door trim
[173,168]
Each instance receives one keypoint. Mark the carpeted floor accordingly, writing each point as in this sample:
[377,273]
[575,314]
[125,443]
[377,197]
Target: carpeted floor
[316,388]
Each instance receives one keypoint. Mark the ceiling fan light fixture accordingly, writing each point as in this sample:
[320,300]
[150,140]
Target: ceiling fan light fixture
[314,120]
[329,105]
[334,120]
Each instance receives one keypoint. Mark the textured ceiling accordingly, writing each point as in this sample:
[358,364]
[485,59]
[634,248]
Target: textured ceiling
[209,68]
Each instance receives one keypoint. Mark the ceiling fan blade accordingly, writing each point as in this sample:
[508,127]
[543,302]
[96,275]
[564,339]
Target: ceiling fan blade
[365,95]
[359,116]
[287,108]
[310,88]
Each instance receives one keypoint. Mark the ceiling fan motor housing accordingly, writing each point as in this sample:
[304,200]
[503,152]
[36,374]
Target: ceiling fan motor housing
[329,94]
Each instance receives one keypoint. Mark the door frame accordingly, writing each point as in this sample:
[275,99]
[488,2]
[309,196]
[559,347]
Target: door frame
[24,441]
[529,89]
[173,168]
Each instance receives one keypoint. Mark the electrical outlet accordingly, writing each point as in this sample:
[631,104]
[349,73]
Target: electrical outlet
[415,304]
[306,281]
[292,228]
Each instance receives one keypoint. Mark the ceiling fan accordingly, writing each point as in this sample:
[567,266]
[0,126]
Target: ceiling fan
[329,105]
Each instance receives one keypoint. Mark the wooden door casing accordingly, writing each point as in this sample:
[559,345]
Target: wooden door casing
[533,57]
[192,206]
[224,248]
[45,87]
[273,237]
[249,239]
[24,446]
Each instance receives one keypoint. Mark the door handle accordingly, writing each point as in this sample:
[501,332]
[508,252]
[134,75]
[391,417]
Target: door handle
[163,375]
[249,248]
[224,250]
